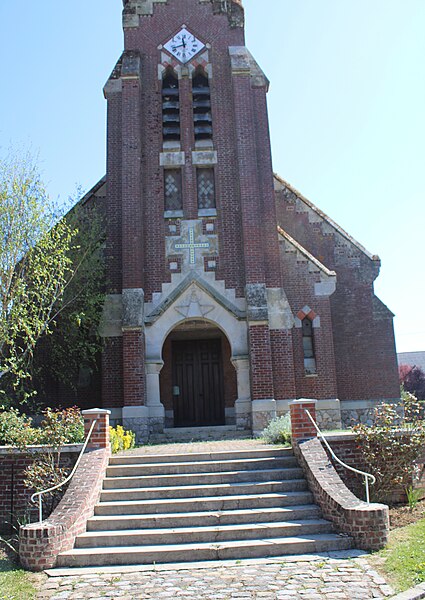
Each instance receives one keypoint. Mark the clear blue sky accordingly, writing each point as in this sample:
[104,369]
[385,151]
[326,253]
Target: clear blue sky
[347,113]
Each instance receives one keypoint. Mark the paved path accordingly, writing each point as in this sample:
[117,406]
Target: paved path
[284,579]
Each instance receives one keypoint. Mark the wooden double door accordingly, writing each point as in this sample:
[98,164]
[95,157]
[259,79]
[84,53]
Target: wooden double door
[198,389]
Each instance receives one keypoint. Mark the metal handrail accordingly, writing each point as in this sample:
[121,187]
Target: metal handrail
[366,476]
[59,485]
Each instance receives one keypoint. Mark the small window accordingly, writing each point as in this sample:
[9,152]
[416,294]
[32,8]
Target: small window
[206,188]
[173,189]
[308,347]
[202,107]
[170,108]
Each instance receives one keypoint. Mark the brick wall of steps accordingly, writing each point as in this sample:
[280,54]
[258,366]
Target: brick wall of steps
[199,507]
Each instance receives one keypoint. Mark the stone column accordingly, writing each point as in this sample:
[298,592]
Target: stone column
[243,405]
[100,434]
[153,396]
[302,427]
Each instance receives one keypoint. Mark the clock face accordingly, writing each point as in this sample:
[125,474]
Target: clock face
[184,46]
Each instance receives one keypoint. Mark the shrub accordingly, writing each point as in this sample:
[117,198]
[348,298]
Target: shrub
[121,439]
[391,447]
[278,431]
[17,429]
[61,427]
[58,427]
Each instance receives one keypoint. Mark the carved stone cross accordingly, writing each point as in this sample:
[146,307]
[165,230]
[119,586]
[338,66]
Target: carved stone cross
[192,246]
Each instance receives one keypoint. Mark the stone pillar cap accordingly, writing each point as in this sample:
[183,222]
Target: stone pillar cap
[96,411]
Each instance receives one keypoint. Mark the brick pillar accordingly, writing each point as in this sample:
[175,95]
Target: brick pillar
[302,427]
[100,435]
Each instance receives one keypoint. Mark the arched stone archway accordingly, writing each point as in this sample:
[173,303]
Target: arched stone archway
[196,305]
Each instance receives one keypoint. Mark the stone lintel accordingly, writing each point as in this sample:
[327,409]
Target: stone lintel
[172,159]
[204,157]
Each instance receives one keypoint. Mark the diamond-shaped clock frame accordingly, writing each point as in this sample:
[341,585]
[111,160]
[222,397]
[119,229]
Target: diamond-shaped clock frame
[184,46]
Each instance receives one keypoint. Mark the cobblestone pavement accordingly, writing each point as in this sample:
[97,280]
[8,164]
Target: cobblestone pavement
[322,579]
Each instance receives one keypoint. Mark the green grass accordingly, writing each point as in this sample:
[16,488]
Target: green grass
[403,561]
[15,584]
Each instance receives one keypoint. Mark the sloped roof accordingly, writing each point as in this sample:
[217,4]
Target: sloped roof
[326,218]
[413,359]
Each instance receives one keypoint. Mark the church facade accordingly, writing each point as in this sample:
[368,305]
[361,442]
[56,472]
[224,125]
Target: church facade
[229,293]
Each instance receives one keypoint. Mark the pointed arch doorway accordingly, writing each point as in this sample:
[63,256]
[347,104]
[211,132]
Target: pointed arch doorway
[198,381]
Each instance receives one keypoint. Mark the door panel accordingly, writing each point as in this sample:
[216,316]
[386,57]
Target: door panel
[198,373]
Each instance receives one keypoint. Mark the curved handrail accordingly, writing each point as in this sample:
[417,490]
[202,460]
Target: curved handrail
[59,485]
[366,476]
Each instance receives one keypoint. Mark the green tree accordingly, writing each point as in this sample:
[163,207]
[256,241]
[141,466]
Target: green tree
[34,268]
[47,283]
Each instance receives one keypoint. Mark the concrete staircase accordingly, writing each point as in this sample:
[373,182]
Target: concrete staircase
[202,506]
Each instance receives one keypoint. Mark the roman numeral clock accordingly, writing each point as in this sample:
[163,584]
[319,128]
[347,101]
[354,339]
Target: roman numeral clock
[184,46]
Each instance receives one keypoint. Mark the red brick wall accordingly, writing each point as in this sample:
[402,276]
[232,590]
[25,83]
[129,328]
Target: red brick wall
[40,543]
[15,498]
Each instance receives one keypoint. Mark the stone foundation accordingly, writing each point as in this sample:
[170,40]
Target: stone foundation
[361,411]
[328,413]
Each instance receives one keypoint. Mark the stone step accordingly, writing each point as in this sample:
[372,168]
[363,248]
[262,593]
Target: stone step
[198,519]
[131,555]
[176,468]
[201,478]
[131,459]
[199,434]
[190,535]
[198,491]
[213,503]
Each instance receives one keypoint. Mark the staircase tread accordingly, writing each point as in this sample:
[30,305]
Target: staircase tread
[234,512]
[203,474]
[213,528]
[272,495]
[200,462]
[202,545]
[216,453]
[202,486]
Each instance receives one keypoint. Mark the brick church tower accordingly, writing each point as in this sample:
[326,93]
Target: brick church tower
[229,294]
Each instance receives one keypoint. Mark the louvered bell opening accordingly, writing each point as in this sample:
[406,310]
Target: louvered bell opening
[171,134]
[171,118]
[201,91]
[171,105]
[202,104]
[171,109]
[202,118]
[203,132]
[170,92]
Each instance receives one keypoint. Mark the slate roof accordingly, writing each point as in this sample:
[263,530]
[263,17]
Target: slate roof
[413,359]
